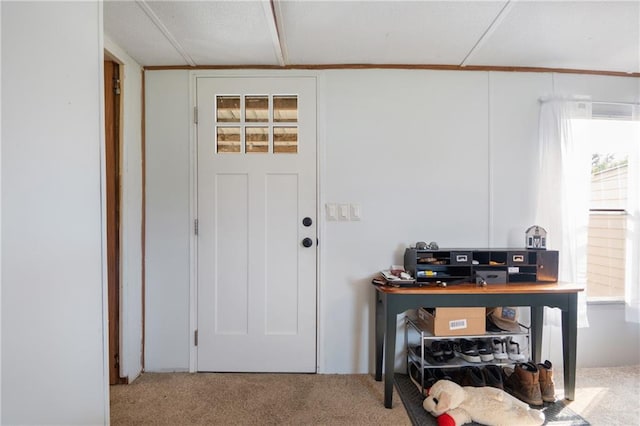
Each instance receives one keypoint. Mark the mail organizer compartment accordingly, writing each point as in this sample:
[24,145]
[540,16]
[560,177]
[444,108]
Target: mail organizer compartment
[461,258]
[516,258]
[492,276]
[491,266]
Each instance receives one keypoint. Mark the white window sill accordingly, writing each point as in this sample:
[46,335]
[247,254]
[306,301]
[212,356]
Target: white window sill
[605,301]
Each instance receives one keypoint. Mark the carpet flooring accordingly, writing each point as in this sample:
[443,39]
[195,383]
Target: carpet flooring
[604,397]
[182,399]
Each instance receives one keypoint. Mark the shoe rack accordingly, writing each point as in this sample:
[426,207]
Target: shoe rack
[418,354]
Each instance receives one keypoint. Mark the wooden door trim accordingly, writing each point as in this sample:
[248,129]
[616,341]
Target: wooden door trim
[113,198]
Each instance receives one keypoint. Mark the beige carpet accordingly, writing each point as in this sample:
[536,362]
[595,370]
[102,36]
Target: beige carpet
[253,399]
[604,396]
[608,396]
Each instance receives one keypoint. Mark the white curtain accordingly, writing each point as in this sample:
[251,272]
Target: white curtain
[632,284]
[563,193]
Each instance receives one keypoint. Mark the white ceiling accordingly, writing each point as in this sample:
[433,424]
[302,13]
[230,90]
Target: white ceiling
[587,35]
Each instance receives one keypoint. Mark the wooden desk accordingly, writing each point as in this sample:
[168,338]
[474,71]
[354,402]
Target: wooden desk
[391,301]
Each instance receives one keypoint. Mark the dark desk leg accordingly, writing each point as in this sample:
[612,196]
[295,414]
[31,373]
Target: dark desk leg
[537,321]
[391,318]
[379,334]
[569,341]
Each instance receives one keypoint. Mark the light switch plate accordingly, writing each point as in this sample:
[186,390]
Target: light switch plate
[343,212]
[356,212]
[332,211]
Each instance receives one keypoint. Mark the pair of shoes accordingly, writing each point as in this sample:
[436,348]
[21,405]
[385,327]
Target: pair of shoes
[467,350]
[523,382]
[493,376]
[422,380]
[440,351]
[437,352]
[472,376]
[474,350]
[425,379]
[513,351]
[499,351]
[485,349]
[489,375]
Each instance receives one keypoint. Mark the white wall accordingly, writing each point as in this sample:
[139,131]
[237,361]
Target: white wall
[53,304]
[130,211]
[513,118]
[393,141]
[168,225]
[429,155]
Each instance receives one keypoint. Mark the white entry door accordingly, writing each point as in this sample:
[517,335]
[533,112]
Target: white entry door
[256,224]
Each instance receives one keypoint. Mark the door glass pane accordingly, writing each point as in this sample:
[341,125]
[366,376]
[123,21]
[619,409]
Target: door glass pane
[256,108]
[227,139]
[285,140]
[285,108]
[228,109]
[257,139]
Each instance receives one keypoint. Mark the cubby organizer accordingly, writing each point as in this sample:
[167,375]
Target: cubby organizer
[492,265]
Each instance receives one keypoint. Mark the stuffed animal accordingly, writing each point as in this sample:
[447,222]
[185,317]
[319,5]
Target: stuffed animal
[455,405]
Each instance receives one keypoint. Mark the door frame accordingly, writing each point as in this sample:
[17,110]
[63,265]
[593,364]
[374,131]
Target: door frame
[193,197]
[132,214]
[113,209]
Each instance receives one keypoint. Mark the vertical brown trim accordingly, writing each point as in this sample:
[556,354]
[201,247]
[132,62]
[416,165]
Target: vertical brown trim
[112,169]
[143,231]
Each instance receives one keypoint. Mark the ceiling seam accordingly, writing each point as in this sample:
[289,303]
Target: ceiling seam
[492,27]
[272,22]
[165,31]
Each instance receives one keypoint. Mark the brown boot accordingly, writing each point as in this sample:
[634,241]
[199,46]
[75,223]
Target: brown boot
[523,383]
[547,387]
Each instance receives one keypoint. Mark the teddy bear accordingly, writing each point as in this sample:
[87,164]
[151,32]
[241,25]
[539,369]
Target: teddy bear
[455,405]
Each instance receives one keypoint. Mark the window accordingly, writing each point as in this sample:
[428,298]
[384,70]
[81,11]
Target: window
[612,136]
[256,124]
[606,251]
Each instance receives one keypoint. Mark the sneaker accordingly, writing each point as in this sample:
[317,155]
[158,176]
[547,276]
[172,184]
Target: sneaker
[420,379]
[499,352]
[473,376]
[447,350]
[441,374]
[433,353]
[485,350]
[493,376]
[514,351]
[456,375]
[467,350]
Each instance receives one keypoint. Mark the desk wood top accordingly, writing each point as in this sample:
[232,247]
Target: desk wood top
[472,288]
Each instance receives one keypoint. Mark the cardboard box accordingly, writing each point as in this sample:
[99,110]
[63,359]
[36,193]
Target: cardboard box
[453,321]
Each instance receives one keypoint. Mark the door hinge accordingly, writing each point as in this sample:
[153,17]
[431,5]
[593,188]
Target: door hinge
[195,226]
[195,337]
[195,115]
[116,85]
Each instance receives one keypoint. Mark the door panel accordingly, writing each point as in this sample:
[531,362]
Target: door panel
[256,183]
